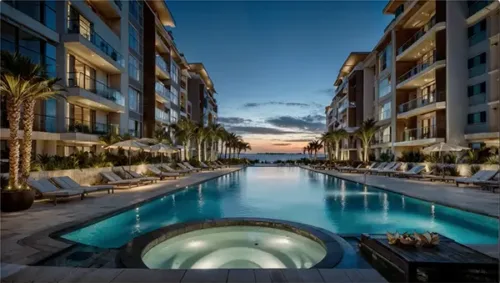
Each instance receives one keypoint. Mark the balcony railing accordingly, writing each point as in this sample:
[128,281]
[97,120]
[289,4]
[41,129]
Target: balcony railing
[477,99]
[418,68]
[89,127]
[161,63]
[421,133]
[421,101]
[91,84]
[421,32]
[344,105]
[476,38]
[382,139]
[162,115]
[162,91]
[74,26]
[41,123]
[476,6]
[383,115]
[477,70]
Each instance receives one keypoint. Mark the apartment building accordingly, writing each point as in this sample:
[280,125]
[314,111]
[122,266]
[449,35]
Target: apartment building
[346,109]
[201,95]
[119,63]
[434,75]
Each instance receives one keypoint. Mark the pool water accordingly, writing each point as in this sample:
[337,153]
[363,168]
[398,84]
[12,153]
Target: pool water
[235,247]
[294,194]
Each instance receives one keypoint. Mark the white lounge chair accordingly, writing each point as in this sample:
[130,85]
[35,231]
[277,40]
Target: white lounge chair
[67,183]
[388,166]
[482,175]
[413,172]
[50,191]
[113,179]
[161,174]
[392,170]
[363,170]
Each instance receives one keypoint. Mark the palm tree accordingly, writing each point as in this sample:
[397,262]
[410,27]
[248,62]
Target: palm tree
[232,143]
[214,133]
[161,135]
[243,146]
[184,131]
[304,149]
[315,146]
[201,134]
[366,133]
[110,138]
[35,86]
[309,150]
[326,140]
[337,136]
[223,138]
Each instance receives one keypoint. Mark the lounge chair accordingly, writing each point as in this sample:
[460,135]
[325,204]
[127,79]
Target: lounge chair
[488,185]
[413,172]
[482,175]
[171,170]
[113,179]
[205,166]
[144,179]
[348,168]
[215,165]
[188,166]
[50,191]
[367,170]
[392,170]
[161,174]
[67,183]
[388,166]
[220,163]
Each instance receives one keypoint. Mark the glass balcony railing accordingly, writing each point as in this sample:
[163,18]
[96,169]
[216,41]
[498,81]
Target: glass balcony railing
[74,26]
[476,38]
[421,101]
[477,70]
[41,123]
[161,63]
[89,127]
[162,91]
[421,133]
[419,67]
[91,84]
[476,6]
[479,98]
[344,105]
[382,139]
[383,115]
[162,115]
[421,32]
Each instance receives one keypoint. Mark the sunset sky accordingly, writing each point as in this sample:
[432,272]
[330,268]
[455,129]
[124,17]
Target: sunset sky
[274,63]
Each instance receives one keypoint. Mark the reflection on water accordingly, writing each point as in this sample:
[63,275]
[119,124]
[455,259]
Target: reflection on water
[292,194]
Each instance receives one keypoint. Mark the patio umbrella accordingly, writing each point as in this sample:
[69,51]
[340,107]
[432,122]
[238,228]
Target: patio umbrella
[443,147]
[131,144]
[162,148]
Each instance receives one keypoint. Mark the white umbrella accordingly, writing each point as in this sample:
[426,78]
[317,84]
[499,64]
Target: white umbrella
[147,140]
[131,144]
[444,147]
[162,148]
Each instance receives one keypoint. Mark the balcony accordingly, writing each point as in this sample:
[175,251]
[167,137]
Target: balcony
[476,99]
[183,111]
[421,136]
[421,74]
[381,141]
[86,43]
[162,93]
[162,70]
[423,39]
[41,123]
[477,70]
[421,105]
[89,127]
[479,9]
[110,9]
[88,91]
[343,105]
[162,116]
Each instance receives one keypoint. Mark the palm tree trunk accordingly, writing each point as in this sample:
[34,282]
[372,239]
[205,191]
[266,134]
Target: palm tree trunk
[365,152]
[337,144]
[225,153]
[204,150]
[28,118]
[198,144]
[14,115]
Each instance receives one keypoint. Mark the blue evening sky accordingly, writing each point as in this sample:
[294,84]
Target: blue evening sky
[273,63]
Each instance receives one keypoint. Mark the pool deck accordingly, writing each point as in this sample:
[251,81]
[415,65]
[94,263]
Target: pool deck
[466,198]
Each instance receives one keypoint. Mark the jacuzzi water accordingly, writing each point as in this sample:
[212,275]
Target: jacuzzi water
[294,194]
[235,247]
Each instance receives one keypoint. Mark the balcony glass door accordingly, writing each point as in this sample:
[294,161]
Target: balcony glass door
[50,115]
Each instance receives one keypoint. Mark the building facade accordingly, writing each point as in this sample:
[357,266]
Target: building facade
[434,76]
[117,60]
[201,95]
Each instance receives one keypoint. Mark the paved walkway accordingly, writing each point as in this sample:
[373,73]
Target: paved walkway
[465,198]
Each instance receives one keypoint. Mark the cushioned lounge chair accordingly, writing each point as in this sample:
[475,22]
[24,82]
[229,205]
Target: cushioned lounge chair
[347,168]
[394,169]
[213,164]
[50,191]
[367,170]
[205,166]
[67,183]
[413,172]
[188,166]
[488,185]
[161,174]
[171,170]
[482,175]
[221,164]
[388,166]
[144,179]
[113,179]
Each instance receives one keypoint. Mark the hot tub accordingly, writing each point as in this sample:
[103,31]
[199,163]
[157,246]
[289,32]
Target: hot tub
[233,243]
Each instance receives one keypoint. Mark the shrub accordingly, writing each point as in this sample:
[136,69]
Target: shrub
[474,169]
[386,157]
[411,156]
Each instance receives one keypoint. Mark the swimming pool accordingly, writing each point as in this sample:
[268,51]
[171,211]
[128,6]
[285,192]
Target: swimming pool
[294,194]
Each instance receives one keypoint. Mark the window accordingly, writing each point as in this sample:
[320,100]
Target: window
[174,116]
[428,94]
[30,46]
[385,111]
[134,101]
[50,60]
[476,89]
[49,14]
[174,96]
[135,10]
[384,87]
[477,65]
[134,128]
[385,58]
[477,33]
[174,72]
[476,118]
[133,36]
[133,68]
